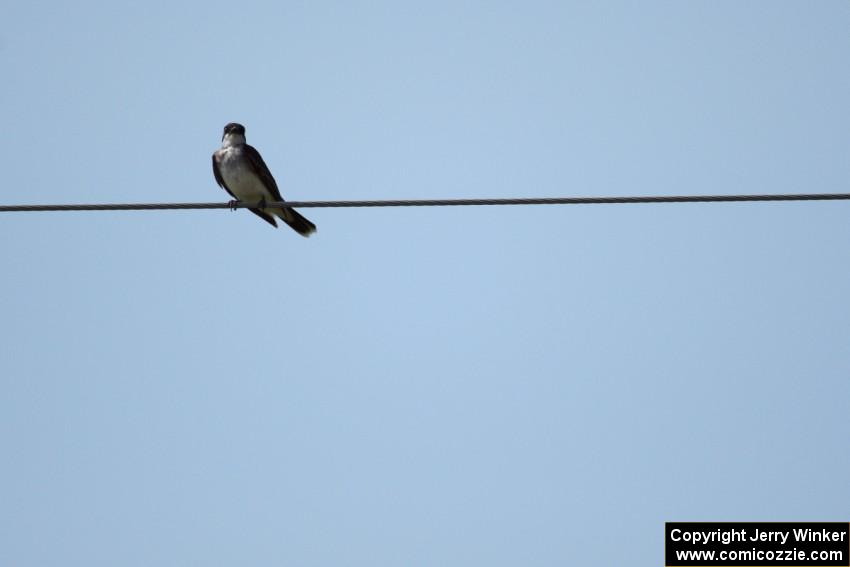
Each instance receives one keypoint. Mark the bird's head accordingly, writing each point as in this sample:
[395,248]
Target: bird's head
[233,134]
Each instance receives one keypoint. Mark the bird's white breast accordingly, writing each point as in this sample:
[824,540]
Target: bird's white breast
[239,177]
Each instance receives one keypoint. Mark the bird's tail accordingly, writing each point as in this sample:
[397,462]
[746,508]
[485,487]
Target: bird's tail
[297,222]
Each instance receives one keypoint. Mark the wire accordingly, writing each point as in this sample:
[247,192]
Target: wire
[434,202]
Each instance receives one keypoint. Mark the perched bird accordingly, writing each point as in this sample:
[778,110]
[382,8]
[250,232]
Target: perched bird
[239,170]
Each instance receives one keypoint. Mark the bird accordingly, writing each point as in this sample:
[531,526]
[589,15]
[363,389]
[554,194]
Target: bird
[240,170]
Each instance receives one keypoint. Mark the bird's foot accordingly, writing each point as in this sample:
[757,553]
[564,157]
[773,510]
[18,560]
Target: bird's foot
[262,203]
[232,204]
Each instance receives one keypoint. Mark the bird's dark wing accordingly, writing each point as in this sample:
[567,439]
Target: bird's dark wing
[265,216]
[218,178]
[262,170]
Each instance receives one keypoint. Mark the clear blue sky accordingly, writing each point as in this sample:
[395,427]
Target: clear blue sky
[465,386]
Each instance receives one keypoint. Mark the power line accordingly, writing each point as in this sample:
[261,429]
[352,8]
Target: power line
[434,202]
